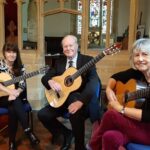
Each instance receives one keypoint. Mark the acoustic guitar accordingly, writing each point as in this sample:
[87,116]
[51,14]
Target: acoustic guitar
[71,79]
[7,80]
[131,94]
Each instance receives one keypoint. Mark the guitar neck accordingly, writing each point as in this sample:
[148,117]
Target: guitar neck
[143,93]
[88,65]
[19,78]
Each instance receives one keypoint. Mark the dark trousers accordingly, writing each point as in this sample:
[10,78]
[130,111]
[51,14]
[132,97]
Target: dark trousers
[48,115]
[16,113]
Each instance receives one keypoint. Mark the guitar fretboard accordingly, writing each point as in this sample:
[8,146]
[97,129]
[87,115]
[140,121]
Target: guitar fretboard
[143,93]
[18,79]
[88,65]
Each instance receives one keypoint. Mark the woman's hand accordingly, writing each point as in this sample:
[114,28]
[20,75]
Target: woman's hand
[13,94]
[110,94]
[115,105]
[11,98]
[9,91]
[112,99]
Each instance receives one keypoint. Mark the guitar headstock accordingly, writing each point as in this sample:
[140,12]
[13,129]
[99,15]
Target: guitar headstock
[113,49]
[44,69]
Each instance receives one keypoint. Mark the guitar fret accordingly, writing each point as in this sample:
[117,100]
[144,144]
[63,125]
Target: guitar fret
[17,79]
[138,94]
[25,76]
[113,49]
[88,65]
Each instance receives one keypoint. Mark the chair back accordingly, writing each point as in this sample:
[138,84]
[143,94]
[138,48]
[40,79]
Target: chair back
[135,146]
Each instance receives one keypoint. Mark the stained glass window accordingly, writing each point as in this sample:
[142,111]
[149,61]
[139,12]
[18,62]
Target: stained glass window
[104,16]
[94,13]
[97,20]
[79,17]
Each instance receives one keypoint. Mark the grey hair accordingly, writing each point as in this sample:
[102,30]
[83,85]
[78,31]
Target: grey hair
[72,36]
[139,45]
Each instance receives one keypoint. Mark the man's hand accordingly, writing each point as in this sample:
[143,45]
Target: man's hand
[74,107]
[54,85]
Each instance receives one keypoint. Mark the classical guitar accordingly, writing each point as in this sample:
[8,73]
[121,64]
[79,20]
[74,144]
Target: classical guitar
[132,93]
[7,81]
[71,80]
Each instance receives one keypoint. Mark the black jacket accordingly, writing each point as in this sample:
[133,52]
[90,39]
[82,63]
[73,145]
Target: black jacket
[89,78]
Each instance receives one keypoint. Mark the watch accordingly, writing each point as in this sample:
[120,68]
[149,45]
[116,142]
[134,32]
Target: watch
[123,110]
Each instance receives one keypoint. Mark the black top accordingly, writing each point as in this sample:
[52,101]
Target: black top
[125,76]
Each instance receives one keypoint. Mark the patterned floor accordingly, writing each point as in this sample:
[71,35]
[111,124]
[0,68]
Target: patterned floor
[44,136]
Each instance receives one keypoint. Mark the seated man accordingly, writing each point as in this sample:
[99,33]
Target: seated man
[77,100]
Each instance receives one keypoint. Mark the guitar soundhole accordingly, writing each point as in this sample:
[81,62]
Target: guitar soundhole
[68,81]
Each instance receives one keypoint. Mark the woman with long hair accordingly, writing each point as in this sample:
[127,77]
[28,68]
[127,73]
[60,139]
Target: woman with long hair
[12,65]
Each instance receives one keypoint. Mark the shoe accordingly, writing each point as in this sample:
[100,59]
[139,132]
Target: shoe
[67,141]
[33,139]
[12,146]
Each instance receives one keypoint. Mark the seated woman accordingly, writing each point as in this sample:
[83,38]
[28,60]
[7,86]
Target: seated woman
[121,125]
[12,65]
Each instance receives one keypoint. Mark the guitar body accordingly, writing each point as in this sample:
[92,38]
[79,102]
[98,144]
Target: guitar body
[4,77]
[8,82]
[121,89]
[52,96]
[56,99]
